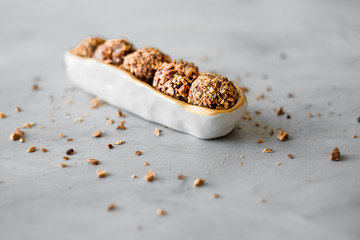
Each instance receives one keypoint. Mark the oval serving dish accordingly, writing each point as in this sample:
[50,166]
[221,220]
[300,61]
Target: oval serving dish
[121,89]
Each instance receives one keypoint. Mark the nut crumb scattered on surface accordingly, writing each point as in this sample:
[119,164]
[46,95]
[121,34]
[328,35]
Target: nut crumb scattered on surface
[93,161]
[354,136]
[101,173]
[310,114]
[111,207]
[199,182]
[17,109]
[271,132]
[290,95]
[280,111]
[259,141]
[133,176]
[278,163]
[149,176]
[44,150]
[268,150]
[241,163]
[146,163]
[261,96]
[31,149]
[65,158]
[70,151]
[257,112]
[215,195]
[138,153]
[16,136]
[282,135]
[261,200]
[358,119]
[63,165]
[22,140]
[27,125]
[121,125]
[42,127]
[110,146]
[120,114]
[335,155]
[157,132]
[96,134]
[2,115]
[160,212]
[241,156]
[290,156]
[61,135]
[69,139]
[119,142]
[318,114]
[110,121]
[180,177]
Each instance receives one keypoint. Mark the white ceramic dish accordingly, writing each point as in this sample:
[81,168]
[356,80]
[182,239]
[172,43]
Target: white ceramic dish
[123,90]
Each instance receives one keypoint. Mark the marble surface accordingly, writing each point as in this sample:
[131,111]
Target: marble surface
[308,48]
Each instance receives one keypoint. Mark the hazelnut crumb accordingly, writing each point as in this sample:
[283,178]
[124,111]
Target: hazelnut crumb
[61,135]
[69,139]
[257,112]
[111,207]
[310,114]
[280,111]
[35,87]
[290,95]
[65,158]
[283,136]
[150,176]
[138,153]
[121,125]
[249,118]
[261,200]
[146,163]
[2,115]
[96,134]
[17,109]
[16,136]
[31,149]
[278,163]
[238,127]
[290,156]
[110,146]
[335,155]
[27,125]
[63,165]
[259,141]
[22,140]
[157,132]
[268,150]
[358,119]
[261,96]
[241,156]
[215,195]
[119,142]
[266,126]
[271,132]
[160,212]
[44,150]
[241,163]
[199,182]
[93,161]
[120,114]
[180,177]
[70,151]
[133,176]
[354,136]
[42,127]
[256,125]
[110,121]
[101,173]
[318,114]
[268,89]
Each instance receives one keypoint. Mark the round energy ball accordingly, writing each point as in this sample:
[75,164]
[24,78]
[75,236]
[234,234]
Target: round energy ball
[87,47]
[144,62]
[213,91]
[114,51]
[175,78]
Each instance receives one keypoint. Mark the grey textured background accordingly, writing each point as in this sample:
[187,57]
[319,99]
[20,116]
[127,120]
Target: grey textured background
[308,197]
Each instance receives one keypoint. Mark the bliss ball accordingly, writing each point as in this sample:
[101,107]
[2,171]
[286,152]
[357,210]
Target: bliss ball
[144,62]
[87,47]
[213,91]
[175,78]
[113,51]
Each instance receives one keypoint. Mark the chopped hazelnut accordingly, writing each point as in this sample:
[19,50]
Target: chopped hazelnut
[17,109]
[22,140]
[42,127]
[271,132]
[290,95]
[15,136]
[110,146]
[199,182]
[26,125]
[119,142]
[138,153]
[283,136]
[120,114]
[65,158]
[61,135]
[261,200]
[290,156]
[2,115]
[150,176]
[268,150]
[335,155]
[160,212]
[110,121]
[63,165]
[44,150]
[280,111]
[215,195]
[101,173]
[261,96]
[121,125]
[69,139]
[310,114]
[146,163]
[157,132]
[241,163]
[354,136]
[358,119]
[31,149]
[93,161]
[318,114]
[257,112]
[259,141]
[180,177]
[96,134]
[133,176]
[278,163]
[111,207]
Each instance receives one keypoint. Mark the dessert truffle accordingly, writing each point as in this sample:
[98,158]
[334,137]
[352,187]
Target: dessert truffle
[213,91]
[144,62]
[87,47]
[175,78]
[113,51]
